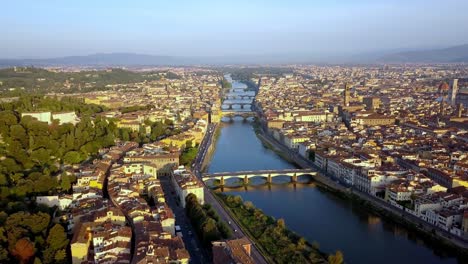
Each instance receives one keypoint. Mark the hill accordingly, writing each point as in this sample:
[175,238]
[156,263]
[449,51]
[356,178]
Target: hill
[445,55]
[100,59]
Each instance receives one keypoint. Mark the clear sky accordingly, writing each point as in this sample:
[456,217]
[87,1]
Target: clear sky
[53,28]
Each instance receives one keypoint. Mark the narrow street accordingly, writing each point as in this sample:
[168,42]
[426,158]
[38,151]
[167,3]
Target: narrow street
[198,254]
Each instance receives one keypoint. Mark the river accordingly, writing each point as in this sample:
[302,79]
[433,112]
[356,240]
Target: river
[335,223]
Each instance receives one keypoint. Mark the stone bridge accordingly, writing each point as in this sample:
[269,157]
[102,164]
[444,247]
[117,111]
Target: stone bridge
[244,114]
[268,174]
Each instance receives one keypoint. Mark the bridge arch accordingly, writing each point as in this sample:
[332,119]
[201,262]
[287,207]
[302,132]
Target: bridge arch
[268,174]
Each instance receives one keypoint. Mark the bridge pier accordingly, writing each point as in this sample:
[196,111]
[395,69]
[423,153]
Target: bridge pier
[269,179]
[294,178]
[246,180]
[221,181]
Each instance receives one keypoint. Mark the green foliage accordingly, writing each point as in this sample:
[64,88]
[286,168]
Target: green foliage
[206,221]
[33,151]
[23,236]
[65,183]
[280,243]
[337,258]
[56,244]
[188,156]
[27,80]
[135,108]
[225,84]
[172,76]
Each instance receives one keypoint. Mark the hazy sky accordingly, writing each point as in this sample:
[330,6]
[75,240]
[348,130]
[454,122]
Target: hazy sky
[47,28]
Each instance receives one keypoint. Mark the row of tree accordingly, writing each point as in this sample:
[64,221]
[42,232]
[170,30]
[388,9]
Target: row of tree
[209,227]
[283,245]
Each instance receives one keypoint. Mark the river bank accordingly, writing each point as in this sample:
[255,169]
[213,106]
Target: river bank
[317,212]
[372,204]
[278,243]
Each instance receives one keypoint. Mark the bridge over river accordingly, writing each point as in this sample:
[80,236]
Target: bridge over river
[268,174]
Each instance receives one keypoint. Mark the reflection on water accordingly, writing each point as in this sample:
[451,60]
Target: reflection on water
[320,216]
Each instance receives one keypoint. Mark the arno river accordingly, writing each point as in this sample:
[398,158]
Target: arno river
[313,213]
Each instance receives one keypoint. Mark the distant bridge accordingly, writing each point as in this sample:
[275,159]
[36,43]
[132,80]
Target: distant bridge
[244,114]
[230,106]
[268,174]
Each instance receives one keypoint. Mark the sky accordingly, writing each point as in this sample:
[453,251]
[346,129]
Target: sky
[56,28]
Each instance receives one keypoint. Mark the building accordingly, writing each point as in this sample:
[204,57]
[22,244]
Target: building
[234,251]
[80,242]
[372,103]
[453,91]
[162,162]
[346,95]
[40,116]
[375,120]
[66,118]
[185,183]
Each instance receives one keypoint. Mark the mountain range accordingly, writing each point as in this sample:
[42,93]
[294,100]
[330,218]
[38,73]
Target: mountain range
[454,54]
[445,55]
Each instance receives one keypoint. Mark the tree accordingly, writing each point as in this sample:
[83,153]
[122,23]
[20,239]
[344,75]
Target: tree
[72,157]
[224,229]
[280,223]
[337,258]
[65,183]
[23,250]
[209,231]
[3,179]
[301,244]
[237,200]
[57,238]
[249,206]
[189,144]
[61,256]
[3,255]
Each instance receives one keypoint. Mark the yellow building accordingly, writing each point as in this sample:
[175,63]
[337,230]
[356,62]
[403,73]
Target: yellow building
[80,242]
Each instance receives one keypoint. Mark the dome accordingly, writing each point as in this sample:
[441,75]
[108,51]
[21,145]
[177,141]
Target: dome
[443,87]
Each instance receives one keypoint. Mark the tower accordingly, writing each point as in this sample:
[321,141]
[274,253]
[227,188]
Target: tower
[459,110]
[441,109]
[346,95]
[453,91]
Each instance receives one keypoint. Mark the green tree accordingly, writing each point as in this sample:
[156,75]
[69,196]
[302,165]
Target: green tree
[210,231]
[61,256]
[280,224]
[57,238]
[337,258]
[3,255]
[72,157]
[224,229]
[65,183]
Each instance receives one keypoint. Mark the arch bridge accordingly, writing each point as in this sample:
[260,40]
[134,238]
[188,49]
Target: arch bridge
[232,114]
[268,174]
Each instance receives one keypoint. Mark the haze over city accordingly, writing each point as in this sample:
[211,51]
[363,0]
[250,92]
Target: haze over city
[317,30]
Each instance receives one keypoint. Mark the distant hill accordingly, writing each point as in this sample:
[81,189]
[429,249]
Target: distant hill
[101,59]
[445,55]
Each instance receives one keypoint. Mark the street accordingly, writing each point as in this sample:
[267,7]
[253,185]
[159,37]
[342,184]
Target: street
[198,254]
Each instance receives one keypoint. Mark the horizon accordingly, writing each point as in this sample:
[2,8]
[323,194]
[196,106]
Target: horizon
[319,31]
